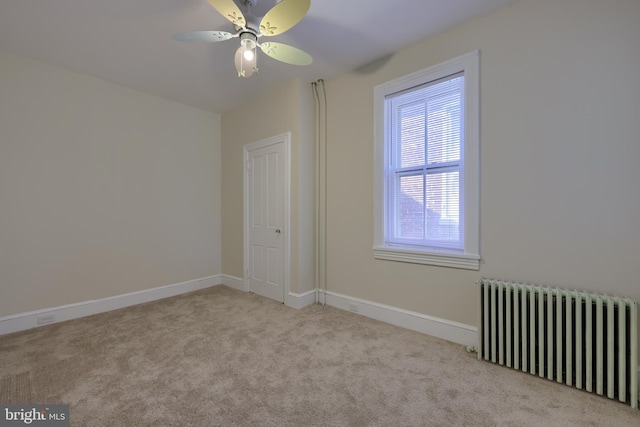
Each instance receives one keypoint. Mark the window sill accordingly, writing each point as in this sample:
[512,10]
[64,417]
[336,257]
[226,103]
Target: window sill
[442,259]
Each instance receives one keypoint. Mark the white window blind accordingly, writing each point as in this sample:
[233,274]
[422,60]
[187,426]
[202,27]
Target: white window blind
[424,173]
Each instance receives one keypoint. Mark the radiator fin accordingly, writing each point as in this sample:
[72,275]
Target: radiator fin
[584,340]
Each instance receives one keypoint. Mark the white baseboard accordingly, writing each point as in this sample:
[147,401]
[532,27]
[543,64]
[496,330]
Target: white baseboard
[441,328]
[459,333]
[236,283]
[299,301]
[23,321]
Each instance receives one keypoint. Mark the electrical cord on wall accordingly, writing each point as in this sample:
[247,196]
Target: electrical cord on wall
[317,185]
[321,188]
[324,237]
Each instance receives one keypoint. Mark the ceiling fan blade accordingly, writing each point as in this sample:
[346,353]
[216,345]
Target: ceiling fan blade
[285,53]
[283,16]
[202,36]
[230,11]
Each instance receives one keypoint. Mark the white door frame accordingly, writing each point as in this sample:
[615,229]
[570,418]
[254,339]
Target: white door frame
[284,138]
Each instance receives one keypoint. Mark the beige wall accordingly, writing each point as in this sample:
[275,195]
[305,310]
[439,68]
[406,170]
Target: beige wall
[287,108]
[560,145]
[103,190]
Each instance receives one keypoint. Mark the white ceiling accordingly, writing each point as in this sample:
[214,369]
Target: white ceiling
[129,41]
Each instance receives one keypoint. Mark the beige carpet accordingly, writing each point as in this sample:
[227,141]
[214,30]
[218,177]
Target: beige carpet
[220,357]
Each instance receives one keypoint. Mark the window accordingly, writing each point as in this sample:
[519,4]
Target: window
[427,166]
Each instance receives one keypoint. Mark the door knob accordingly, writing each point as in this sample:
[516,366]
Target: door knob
[278,231]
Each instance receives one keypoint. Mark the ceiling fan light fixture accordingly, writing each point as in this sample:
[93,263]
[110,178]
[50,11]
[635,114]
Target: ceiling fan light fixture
[246,62]
[245,59]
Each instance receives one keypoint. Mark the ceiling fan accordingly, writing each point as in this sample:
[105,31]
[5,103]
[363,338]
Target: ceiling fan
[249,28]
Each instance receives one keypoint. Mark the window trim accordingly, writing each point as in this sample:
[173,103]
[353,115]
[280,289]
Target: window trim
[469,257]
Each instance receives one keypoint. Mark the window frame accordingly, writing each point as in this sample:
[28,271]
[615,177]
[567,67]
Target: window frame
[469,256]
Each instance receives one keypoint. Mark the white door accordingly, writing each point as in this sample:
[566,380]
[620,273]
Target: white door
[266,217]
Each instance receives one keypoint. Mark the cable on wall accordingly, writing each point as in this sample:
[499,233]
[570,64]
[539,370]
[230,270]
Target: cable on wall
[321,190]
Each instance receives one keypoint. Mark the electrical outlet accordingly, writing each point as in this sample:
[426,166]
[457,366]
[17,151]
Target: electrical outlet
[353,308]
[49,318]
